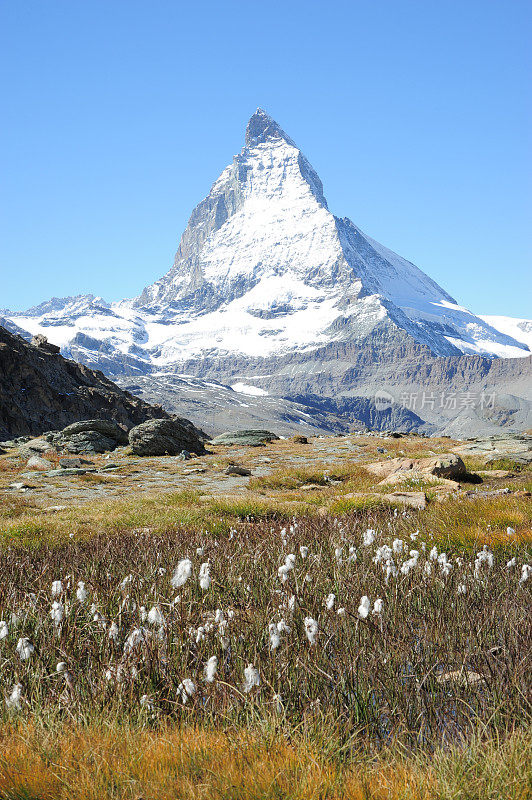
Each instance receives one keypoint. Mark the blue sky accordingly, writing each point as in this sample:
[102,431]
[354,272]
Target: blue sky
[119,114]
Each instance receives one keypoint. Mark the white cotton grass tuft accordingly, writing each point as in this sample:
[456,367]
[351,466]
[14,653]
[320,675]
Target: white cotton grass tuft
[13,701]
[285,568]
[113,632]
[411,563]
[377,606]
[251,678]
[61,667]
[182,573]
[338,554]
[210,668]
[461,589]
[275,638]
[526,572]
[368,537]
[99,619]
[341,612]
[329,601]
[186,689]
[383,554]
[57,612]
[205,576]
[25,649]
[311,629]
[200,634]
[510,531]
[4,629]
[511,563]
[156,617]
[81,592]
[137,638]
[484,560]
[57,588]
[303,551]
[397,546]
[364,607]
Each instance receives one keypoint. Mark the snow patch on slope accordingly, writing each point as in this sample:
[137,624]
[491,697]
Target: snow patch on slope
[519,329]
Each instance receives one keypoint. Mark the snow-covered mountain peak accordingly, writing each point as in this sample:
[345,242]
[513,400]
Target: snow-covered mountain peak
[262,128]
[264,270]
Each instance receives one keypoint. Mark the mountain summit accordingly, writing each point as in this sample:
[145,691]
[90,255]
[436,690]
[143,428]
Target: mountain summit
[261,128]
[269,289]
[263,245]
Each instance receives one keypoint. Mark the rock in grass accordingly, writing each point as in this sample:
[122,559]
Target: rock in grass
[236,469]
[251,438]
[410,499]
[74,463]
[448,466]
[37,462]
[159,437]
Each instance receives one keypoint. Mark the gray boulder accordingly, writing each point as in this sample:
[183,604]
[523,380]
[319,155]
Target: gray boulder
[236,469]
[74,463]
[103,426]
[159,437]
[251,438]
[90,436]
[89,442]
[34,447]
[37,462]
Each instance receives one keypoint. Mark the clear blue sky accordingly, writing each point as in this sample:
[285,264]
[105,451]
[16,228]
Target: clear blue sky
[119,114]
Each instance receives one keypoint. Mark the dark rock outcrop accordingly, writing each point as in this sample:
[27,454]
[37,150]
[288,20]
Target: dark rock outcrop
[42,342]
[90,436]
[41,391]
[159,437]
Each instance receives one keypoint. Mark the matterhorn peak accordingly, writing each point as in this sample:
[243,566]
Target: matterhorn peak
[262,128]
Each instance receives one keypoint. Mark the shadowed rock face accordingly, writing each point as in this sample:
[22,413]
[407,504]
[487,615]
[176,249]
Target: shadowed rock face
[159,437]
[41,391]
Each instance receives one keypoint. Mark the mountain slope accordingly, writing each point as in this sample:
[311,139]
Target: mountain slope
[519,329]
[268,288]
[41,391]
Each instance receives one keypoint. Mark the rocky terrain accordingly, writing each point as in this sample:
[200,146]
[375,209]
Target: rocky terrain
[41,391]
[60,471]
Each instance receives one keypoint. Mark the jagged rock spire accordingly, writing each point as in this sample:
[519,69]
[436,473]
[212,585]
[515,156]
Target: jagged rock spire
[261,128]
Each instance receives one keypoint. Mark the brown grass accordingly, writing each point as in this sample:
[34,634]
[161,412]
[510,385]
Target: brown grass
[111,761]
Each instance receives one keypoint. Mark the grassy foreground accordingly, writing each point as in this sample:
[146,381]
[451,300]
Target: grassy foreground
[74,762]
[326,657]
[297,639]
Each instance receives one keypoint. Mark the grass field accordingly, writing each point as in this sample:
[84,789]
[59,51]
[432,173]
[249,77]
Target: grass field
[268,645]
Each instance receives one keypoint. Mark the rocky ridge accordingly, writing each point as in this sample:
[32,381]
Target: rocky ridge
[42,391]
